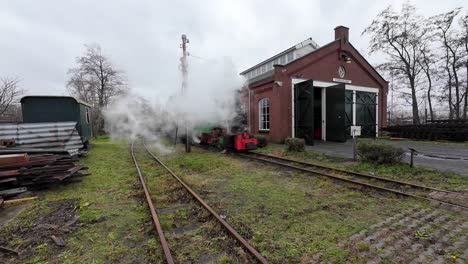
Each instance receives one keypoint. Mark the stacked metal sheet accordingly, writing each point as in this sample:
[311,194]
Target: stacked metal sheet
[21,171]
[41,137]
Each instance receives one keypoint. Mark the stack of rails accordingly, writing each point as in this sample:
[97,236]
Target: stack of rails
[18,172]
[453,130]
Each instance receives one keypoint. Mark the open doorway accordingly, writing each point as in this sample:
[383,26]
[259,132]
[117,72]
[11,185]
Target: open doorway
[317,113]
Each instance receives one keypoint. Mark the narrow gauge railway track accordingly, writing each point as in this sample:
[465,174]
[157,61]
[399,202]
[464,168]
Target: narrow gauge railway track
[392,186]
[230,230]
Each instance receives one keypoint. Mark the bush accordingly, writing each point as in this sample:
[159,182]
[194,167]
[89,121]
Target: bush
[262,140]
[379,153]
[295,144]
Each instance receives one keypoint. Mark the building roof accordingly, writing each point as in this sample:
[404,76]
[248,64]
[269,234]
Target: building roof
[55,96]
[308,41]
[370,68]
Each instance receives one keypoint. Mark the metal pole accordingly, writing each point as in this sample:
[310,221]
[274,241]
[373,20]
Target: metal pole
[412,156]
[184,69]
[355,141]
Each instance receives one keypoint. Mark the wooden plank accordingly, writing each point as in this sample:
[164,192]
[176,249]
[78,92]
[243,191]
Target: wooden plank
[13,159]
[20,200]
[9,173]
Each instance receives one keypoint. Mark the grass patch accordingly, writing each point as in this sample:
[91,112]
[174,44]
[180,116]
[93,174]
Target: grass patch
[113,222]
[400,171]
[287,216]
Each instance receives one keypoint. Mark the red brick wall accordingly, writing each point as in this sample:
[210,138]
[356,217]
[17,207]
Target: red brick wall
[321,65]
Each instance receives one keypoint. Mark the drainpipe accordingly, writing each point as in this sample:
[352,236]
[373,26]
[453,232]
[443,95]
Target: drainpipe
[250,115]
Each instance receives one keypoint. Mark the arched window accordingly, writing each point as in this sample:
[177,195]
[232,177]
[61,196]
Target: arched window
[264,114]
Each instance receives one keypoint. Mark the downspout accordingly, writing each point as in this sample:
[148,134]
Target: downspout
[250,113]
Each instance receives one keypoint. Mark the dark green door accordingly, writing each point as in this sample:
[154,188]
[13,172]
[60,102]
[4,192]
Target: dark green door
[336,129]
[366,113]
[348,112]
[304,111]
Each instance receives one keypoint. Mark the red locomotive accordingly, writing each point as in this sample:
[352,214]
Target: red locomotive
[220,138]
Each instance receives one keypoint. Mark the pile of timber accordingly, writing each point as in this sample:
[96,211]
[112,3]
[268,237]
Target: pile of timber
[452,130]
[18,172]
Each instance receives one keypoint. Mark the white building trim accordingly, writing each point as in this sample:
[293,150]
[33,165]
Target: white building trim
[362,88]
[293,82]
[354,108]
[324,114]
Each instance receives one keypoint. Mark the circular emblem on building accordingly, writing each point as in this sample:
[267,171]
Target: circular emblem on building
[341,72]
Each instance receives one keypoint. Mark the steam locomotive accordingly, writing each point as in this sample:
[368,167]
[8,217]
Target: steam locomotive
[220,138]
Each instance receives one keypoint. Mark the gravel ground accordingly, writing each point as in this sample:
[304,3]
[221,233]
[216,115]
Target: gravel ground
[413,236]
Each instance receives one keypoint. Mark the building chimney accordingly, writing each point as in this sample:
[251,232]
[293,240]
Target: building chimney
[342,32]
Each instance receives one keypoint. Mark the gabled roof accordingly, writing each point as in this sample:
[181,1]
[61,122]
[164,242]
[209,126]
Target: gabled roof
[55,96]
[367,66]
[308,41]
[367,62]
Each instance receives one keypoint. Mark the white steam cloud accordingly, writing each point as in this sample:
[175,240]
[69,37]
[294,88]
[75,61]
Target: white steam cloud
[210,98]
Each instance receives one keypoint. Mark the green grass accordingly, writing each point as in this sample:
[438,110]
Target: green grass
[206,241]
[286,215]
[418,175]
[113,223]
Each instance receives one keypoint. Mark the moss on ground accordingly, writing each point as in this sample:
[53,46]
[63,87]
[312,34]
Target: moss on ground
[208,240]
[286,215]
[417,175]
[114,224]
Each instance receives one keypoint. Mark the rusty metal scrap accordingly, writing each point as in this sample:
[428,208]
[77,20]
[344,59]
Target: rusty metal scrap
[40,138]
[22,171]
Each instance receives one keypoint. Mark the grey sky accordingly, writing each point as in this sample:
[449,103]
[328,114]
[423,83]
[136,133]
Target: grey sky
[40,39]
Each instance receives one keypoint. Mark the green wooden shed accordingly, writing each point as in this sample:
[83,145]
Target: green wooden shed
[41,109]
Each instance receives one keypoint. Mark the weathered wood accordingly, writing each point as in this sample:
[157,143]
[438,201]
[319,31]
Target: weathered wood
[37,171]
[58,241]
[13,159]
[9,173]
[8,250]
[20,200]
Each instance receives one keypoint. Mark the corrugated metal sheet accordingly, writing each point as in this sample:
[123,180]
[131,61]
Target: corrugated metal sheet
[59,135]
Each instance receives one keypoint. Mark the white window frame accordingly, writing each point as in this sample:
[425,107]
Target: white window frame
[264,120]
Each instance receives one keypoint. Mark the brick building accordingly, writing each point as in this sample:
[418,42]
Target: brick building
[315,92]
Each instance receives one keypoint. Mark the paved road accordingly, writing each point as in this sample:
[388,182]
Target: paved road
[442,157]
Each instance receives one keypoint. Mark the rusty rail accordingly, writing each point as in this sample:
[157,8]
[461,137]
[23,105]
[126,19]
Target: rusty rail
[229,228]
[154,215]
[353,173]
[316,172]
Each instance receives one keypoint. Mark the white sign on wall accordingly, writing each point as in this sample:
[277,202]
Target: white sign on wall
[341,80]
[355,131]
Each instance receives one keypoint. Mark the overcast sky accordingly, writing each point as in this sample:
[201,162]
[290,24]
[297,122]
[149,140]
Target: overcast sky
[41,39]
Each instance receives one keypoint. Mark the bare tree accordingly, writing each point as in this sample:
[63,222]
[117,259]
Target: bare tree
[427,62]
[96,81]
[450,41]
[398,36]
[464,41]
[9,94]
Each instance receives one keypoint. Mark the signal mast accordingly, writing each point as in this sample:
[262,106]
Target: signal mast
[184,69]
